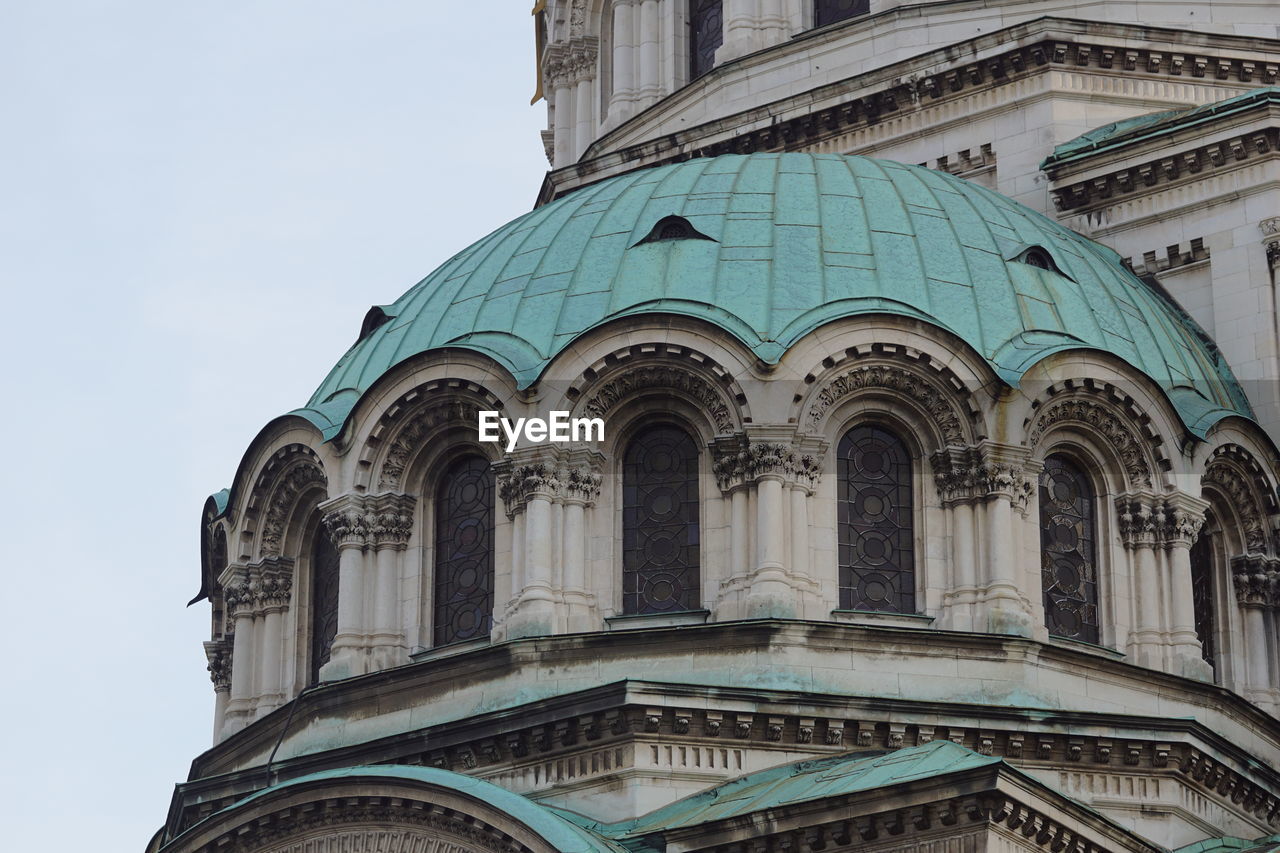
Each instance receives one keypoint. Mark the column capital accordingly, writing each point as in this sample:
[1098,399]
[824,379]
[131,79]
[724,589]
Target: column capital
[984,470]
[218,654]
[1256,578]
[273,583]
[767,452]
[390,519]
[238,594]
[348,520]
[1270,229]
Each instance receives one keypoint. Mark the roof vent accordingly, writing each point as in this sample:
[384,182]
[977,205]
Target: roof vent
[673,228]
[1039,257]
[372,320]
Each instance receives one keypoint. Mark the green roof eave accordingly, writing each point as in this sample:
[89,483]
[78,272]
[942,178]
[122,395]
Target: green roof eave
[793,241]
[1155,126]
[563,835]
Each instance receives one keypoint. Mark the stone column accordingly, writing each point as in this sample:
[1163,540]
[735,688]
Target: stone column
[649,81]
[1182,518]
[741,29]
[580,481]
[392,524]
[1255,579]
[218,653]
[954,473]
[584,55]
[620,99]
[1137,514]
[349,528]
[1005,481]
[557,72]
[531,486]
[240,605]
[274,590]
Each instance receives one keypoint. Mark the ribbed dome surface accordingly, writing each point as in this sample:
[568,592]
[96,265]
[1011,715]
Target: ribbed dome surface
[796,240]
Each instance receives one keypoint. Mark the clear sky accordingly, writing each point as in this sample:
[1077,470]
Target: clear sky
[198,203]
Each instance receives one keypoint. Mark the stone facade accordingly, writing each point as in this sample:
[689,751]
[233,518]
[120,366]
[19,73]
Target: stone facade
[1164,729]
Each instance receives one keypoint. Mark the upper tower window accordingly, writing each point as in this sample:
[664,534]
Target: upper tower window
[464,552]
[875,522]
[706,33]
[1068,563]
[829,11]
[660,522]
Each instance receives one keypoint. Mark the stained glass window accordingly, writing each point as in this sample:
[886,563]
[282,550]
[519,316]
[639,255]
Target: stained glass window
[324,599]
[1202,601]
[829,11]
[877,547]
[706,33]
[1068,553]
[660,522]
[464,552]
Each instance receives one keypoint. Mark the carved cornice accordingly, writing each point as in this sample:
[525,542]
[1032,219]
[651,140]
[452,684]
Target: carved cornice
[1165,168]
[939,401]
[713,402]
[218,654]
[1104,422]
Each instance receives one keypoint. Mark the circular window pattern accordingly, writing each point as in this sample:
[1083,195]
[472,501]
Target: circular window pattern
[877,570]
[660,522]
[1068,569]
[463,584]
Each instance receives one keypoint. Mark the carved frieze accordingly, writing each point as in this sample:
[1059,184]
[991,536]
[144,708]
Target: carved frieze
[711,400]
[1104,422]
[934,398]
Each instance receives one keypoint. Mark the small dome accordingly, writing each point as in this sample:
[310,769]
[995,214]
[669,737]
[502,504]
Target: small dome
[781,244]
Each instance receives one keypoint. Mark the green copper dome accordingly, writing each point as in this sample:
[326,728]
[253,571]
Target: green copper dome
[779,245]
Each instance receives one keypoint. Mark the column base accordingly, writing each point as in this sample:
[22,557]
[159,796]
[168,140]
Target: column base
[530,616]
[344,662]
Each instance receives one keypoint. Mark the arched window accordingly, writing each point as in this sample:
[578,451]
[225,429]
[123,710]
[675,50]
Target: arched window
[464,552]
[706,33]
[324,599]
[829,11]
[877,544]
[1203,601]
[1068,561]
[660,522]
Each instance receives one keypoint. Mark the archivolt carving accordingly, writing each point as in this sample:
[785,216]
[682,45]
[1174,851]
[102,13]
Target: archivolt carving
[385,824]
[1102,420]
[283,497]
[937,401]
[1238,490]
[408,441]
[712,401]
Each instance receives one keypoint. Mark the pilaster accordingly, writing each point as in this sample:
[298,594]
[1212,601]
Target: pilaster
[780,470]
[349,523]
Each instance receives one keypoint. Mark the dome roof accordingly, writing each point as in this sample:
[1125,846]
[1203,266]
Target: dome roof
[773,246]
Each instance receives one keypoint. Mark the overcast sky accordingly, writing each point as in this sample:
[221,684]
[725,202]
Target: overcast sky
[198,203]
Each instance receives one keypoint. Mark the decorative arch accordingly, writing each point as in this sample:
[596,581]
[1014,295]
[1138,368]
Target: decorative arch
[1240,479]
[626,373]
[291,472]
[911,376]
[406,426]
[1111,417]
